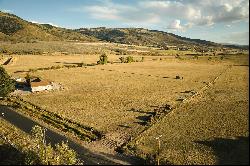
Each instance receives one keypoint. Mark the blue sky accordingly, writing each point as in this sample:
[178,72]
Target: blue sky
[223,21]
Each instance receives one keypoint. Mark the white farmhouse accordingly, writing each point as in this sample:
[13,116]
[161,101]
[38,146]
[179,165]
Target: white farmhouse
[40,86]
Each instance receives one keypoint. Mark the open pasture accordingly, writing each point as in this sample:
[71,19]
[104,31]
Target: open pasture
[117,98]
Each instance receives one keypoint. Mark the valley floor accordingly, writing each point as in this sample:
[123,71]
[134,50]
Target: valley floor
[212,128]
[117,99]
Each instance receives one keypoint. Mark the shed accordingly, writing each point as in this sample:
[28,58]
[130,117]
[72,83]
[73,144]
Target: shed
[40,85]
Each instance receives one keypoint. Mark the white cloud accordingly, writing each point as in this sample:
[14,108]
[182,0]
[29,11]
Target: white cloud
[194,12]
[175,25]
[236,38]
[103,12]
[6,10]
[127,14]
[36,22]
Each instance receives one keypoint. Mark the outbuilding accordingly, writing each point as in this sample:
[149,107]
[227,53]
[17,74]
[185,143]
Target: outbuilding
[37,85]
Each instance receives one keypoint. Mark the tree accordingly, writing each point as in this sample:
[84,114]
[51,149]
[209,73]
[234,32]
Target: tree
[129,59]
[7,85]
[103,59]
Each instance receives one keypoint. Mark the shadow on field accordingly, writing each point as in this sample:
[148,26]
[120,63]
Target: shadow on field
[144,119]
[89,157]
[76,63]
[241,65]
[10,155]
[230,151]
[21,71]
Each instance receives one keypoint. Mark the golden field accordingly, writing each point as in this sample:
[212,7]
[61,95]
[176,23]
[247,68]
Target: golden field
[117,98]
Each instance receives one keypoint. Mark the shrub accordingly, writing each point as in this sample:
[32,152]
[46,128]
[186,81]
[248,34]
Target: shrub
[7,85]
[103,59]
[42,154]
[81,64]
[142,59]
[129,59]
[196,56]
[122,59]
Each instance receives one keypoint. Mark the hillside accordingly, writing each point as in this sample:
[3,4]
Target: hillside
[13,28]
[145,37]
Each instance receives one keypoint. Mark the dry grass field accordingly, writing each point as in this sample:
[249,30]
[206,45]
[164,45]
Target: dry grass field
[117,99]
[210,129]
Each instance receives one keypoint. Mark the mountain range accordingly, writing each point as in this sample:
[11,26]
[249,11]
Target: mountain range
[14,28]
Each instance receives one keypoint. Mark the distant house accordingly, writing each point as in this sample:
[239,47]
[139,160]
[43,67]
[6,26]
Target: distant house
[36,85]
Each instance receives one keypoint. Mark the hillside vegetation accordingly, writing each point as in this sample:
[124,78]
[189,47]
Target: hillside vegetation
[145,37]
[15,29]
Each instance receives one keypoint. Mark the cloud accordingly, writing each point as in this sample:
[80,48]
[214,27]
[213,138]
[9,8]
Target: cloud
[175,25]
[237,38]
[36,22]
[193,12]
[116,12]
[6,10]
[103,12]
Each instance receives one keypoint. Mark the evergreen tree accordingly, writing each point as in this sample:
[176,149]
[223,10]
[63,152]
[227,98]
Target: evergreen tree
[7,85]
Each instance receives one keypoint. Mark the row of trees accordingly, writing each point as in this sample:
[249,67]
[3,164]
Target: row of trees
[104,59]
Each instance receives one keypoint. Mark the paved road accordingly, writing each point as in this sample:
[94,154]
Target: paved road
[52,137]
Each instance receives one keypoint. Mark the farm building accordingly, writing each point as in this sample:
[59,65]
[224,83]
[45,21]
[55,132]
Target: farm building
[36,84]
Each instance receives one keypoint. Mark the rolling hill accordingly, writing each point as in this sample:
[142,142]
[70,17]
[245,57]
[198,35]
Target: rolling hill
[14,28]
[145,37]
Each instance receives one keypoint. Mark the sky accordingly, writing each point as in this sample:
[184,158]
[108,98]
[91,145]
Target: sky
[222,21]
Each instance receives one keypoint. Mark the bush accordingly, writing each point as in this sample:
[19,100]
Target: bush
[122,59]
[42,154]
[196,57]
[103,59]
[142,59]
[7,85]
[129,59]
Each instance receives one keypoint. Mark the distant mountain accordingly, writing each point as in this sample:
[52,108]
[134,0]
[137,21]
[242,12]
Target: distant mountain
[13,28]
[141,36]
[237,46]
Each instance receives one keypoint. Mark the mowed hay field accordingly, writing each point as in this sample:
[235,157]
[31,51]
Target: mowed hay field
[210,129]
[115,98]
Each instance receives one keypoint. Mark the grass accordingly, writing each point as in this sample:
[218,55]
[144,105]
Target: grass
[84,133]
[211,129]
[14,143]
[122,100]
[103,96]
